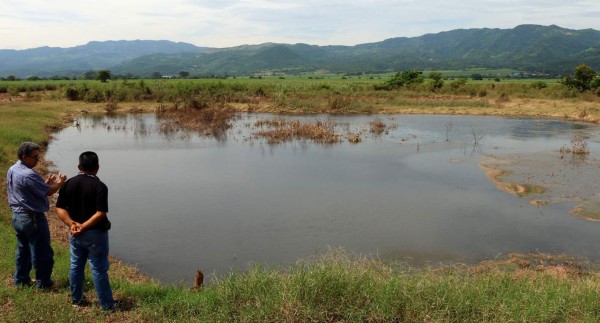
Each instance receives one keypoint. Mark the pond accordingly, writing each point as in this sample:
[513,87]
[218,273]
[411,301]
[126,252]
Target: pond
[420,192]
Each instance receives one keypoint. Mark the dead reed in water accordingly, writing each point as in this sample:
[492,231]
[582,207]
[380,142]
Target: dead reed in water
[377,126]
[287,130]
[354,137]
[578,147]
[207,118]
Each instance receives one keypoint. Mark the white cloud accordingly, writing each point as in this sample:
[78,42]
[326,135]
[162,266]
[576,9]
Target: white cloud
[66,23]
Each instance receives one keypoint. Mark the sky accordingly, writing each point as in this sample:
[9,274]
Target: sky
[213,23]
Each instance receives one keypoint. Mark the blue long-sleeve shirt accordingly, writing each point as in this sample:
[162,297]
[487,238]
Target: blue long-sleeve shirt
[26,190]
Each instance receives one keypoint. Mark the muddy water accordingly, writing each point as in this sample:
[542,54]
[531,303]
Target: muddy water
[416,193]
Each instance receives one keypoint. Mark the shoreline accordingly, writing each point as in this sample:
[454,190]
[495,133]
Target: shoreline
[519,190]
[564,109]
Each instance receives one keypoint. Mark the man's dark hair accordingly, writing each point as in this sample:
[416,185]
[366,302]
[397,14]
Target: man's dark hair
[88,161]
[26,148]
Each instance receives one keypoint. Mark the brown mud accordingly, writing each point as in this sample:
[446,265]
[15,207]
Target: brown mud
[523,265]
[497,176]
[550,178]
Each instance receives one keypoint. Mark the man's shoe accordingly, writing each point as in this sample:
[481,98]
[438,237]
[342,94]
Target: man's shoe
[81,303]
[117,306]
[48,288]
[23,284]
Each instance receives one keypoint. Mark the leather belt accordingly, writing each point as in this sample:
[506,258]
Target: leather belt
[31,213]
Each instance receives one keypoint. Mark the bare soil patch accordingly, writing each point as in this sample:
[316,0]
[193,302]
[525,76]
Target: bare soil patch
[547,179]
[6,97]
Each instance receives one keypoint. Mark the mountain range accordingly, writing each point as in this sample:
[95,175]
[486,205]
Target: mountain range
[530,48]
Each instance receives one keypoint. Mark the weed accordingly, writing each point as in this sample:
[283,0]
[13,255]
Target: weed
[354,137]
[539,85]
[377,126]
[110,107]
[94,95]
[260,92]
[477,137]
[337,103]
[208,120]
[578,147]
[503,97]
[449,126]
[72,93]
[287,130]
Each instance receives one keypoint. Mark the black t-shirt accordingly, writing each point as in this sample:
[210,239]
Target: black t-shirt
[84,195]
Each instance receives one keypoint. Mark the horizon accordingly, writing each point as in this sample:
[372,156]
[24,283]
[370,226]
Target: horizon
[231,23]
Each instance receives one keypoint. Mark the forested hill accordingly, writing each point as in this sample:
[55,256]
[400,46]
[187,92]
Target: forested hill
[48,61]
[530,48]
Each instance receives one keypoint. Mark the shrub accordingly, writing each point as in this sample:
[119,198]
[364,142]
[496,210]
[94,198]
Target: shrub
[458,83]
[94,95]
[13,90]
[435,81]
[196,103]
[568,93]
[477,77]
[584,79]
[503,97]
[539,85]
[407,77]
[339,102]
[578,147]
[111,106]
[260,92]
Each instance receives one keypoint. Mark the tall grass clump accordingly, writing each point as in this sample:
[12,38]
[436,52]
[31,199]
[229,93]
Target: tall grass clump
[95,94]
[339,103]
[377,126]
[578,147]
[208,118]
[342,287]
[280,131]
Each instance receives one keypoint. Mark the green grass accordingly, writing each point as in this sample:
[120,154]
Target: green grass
[337,286]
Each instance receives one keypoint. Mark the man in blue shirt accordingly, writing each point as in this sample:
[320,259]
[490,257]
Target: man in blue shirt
[27,198]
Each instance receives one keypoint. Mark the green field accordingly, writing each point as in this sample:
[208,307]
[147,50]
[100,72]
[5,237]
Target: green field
[365,91]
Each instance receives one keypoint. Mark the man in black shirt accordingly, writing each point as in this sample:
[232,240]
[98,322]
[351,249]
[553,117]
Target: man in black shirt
[82,205]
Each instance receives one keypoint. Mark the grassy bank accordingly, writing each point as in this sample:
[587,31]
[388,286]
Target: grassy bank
[335,287]
[309,96]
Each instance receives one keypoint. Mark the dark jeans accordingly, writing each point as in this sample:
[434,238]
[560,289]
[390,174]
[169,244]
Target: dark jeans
[91,245]
[33,249]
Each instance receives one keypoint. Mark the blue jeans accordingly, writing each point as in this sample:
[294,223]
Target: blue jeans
[91,245]
[33,249]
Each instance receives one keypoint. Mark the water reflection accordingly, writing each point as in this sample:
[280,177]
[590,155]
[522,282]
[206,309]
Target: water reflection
[415,192]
